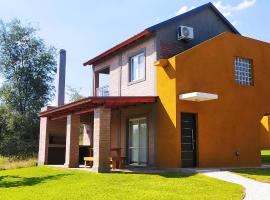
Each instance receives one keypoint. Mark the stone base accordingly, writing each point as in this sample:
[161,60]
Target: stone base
[40,163]
[100,169]
[71,165]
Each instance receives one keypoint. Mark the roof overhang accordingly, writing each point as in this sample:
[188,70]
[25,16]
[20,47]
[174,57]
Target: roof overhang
[127,42]
[198,96]
[88,105]
[150,30]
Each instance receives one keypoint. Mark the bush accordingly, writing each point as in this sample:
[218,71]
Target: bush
[18,134]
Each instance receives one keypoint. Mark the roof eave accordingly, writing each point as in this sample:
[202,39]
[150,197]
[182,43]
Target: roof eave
[127,42]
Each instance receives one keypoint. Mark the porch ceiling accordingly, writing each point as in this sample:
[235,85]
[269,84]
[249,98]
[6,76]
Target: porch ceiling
[87,105]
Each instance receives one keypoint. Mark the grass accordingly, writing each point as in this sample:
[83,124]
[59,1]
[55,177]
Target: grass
[262,175]
[55,183]
[12,163]
[265,157]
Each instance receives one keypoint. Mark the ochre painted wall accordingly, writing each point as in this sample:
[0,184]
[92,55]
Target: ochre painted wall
[168,136]
[231,123]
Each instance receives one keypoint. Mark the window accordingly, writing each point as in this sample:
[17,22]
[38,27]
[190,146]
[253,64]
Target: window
[243,71]
[137,67]
[138,141]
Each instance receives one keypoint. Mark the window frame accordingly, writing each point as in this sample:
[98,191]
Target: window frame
[130,56]
[251,71]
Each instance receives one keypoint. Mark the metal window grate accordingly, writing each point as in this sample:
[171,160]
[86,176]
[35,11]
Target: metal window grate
[243,71]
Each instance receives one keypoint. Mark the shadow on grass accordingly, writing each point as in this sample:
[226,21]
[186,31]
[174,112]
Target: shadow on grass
[176,174]
[9,181]
[258,172]
[165,174]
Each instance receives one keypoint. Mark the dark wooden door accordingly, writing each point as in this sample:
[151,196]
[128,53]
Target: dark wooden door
[188,140]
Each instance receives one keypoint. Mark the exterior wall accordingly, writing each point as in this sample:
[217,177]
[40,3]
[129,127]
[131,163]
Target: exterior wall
[265,132]
[119,128]
[119,65]
[167,135]
[206,25]
[231,123]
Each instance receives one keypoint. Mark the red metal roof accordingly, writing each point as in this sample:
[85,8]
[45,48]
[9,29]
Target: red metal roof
[127,42]
[87,105]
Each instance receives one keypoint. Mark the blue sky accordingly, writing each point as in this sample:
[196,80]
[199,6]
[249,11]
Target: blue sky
[86,28]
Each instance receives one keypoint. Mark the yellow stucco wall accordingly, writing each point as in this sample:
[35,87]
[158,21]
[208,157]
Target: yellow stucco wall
[231,123]
[265,132]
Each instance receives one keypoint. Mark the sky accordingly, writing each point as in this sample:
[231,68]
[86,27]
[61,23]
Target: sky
[86,28]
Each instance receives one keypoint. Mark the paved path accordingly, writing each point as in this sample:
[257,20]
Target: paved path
[255,190]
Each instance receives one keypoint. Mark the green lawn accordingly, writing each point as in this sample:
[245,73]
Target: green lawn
[55,183]
[262,175]
[265,157]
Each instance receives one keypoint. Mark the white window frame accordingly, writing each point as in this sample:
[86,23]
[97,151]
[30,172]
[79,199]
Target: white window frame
[132,80]
[139,148]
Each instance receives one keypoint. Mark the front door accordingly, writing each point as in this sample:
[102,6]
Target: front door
[188,139]
[138,142]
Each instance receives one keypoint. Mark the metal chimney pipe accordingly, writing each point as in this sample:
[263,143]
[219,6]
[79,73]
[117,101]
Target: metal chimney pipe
[61,77]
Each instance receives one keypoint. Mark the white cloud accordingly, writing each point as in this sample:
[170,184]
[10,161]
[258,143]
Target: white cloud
[229,9]
[183,9]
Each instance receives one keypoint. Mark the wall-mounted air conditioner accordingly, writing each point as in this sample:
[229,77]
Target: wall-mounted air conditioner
[185,33]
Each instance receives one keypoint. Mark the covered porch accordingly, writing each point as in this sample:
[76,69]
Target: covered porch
[113,127]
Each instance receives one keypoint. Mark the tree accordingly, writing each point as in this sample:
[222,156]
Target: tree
[28,68]
[74,94]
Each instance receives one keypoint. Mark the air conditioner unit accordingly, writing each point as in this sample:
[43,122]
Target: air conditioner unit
[185,33]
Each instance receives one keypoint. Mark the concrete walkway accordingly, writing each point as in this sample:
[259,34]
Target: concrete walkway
[254,190]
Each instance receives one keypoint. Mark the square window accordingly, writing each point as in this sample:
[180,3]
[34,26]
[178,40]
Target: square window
[243,71]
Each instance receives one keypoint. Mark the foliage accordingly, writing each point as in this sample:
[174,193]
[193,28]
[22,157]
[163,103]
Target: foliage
[28,68]
[74,94]
[56,183]
[18,133]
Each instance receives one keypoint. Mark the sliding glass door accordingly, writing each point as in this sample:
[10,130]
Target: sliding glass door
[138,142]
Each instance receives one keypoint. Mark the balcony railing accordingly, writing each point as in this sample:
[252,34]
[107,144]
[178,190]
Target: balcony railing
[102,91]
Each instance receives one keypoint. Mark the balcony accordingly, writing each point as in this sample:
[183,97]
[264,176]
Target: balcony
[102,91]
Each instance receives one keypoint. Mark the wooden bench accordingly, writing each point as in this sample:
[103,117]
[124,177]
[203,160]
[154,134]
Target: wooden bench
[88,160]
[117,162]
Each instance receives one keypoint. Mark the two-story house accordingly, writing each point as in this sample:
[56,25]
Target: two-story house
[170,100]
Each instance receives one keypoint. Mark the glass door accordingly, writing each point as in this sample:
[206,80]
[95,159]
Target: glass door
[138,142]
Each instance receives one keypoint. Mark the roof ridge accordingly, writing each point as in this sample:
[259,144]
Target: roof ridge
[149,31]
[191,12]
